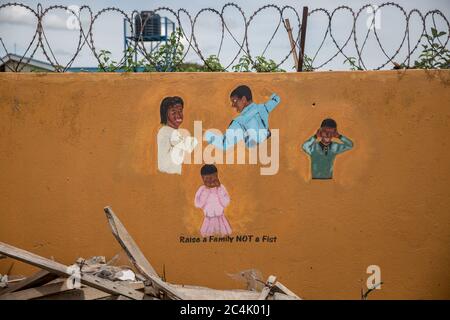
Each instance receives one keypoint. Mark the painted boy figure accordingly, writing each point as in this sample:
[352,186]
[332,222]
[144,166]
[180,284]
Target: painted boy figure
[212,197]
[252,123]
[323,152]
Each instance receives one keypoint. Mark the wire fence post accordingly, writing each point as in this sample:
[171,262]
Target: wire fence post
[302,40]
[292,41]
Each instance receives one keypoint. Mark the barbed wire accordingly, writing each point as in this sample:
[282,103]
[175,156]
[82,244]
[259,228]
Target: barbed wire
[189,35]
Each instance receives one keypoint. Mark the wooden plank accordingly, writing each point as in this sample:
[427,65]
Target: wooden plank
[33,293]
[136,285]
[136,256]
[282,296]
[62,270]
[88,293]
[291,40]
[199,293]
[83,293]
[278,285]
[127,243]
[15,280]
[58,290]
[264,293]
[266,290]
[38,279]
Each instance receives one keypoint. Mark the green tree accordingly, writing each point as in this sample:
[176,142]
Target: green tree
[261,64]
[168,57]
[352,62]
[212,64]
[307,64]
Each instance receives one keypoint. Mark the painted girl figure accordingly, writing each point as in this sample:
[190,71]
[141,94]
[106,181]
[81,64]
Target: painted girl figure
[212,197]
[173,143]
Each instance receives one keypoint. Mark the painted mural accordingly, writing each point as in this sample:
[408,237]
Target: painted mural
[322,150]
[212,198]
[252,123]
[173,142]
[283,221]
[251,126]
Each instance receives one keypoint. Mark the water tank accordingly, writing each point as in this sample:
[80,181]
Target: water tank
[151,25]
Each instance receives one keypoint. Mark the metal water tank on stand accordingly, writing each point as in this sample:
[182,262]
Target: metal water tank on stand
[148,29]
[149,23]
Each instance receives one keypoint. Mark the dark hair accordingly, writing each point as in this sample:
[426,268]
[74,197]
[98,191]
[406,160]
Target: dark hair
[208,169]
[178,100]
[166,103]
[242,91]
[329,123]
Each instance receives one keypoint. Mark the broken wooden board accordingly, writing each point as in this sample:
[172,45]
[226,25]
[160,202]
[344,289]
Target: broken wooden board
[136,256]
[62,270]
[88,293]
[264,294]
[282,296]
[127,243]
[38,279]
[278,286]
[117,298]
[38,292]
[203,293]
[266,290]
[83,293]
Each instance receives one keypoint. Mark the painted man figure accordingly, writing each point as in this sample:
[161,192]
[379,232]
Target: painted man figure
[252,123]
[323,152]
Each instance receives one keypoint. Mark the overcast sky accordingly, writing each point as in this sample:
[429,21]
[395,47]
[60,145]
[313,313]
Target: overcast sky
[17,27]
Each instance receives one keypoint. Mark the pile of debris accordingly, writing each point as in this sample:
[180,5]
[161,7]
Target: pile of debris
[95,278]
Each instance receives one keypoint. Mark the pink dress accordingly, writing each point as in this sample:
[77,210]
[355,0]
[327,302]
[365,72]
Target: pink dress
[213,201]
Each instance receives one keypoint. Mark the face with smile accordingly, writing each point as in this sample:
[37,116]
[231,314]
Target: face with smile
[175,116]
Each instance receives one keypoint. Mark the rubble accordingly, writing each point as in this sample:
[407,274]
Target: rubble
[3,281]
[97,279]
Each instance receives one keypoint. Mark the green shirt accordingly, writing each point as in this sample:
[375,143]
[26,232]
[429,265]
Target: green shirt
[322,157]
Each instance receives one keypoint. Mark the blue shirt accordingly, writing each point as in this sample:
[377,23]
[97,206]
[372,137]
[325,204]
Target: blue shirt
[251,125]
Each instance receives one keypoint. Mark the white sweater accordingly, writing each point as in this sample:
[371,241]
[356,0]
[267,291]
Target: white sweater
[172,146]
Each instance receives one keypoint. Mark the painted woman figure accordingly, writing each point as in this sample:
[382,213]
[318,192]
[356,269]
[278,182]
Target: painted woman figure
[212,197]
[172,143]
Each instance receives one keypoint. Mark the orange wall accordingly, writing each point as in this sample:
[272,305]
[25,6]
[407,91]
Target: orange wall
[71,144]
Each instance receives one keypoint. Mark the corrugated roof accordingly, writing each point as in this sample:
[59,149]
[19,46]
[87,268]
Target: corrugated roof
[26,60]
